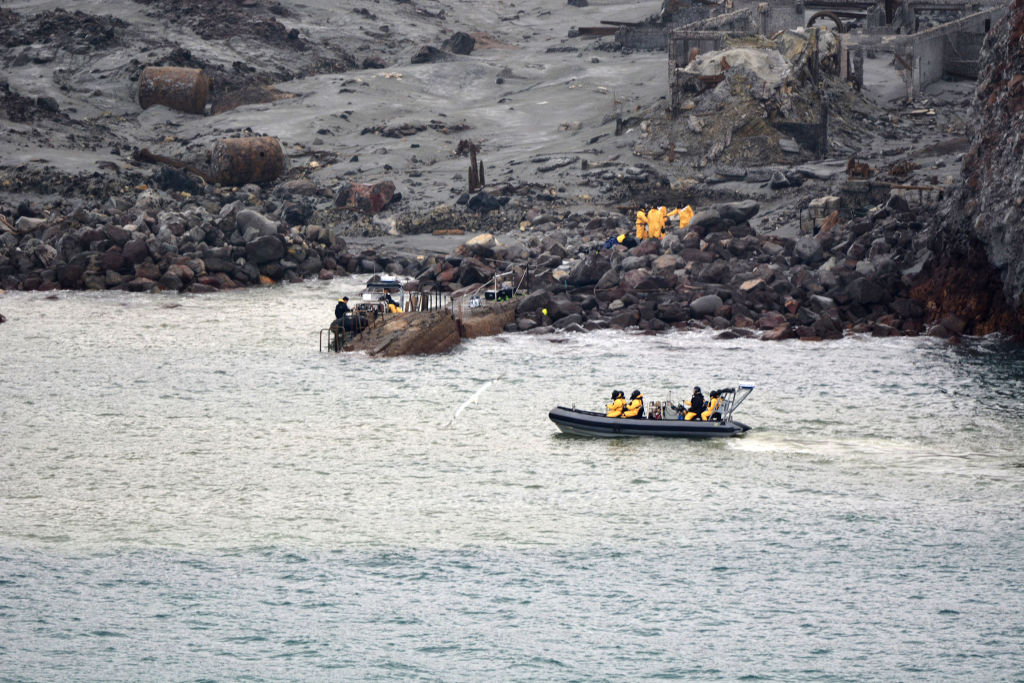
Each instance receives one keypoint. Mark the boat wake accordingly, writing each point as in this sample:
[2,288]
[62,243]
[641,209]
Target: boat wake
[472,399]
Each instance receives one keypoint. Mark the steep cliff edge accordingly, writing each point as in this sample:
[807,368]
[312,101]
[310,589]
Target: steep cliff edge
[977,279]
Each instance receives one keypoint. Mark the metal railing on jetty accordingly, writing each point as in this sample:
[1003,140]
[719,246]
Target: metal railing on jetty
[505,286]
[367,315]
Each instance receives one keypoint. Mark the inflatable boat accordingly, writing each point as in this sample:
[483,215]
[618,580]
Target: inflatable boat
[664,418]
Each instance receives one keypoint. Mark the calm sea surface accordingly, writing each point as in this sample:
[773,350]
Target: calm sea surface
[190,490]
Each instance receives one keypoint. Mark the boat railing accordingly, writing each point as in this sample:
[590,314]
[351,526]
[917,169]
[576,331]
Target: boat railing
[738,395]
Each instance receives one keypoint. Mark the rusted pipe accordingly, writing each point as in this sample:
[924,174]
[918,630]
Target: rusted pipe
[237,161]
[175,87]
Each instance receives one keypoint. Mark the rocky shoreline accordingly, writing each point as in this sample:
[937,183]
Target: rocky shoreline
[808,250]
[856,276]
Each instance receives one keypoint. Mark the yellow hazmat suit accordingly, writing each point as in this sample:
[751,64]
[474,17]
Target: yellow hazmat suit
[713,404]
[656,222]
[685,215]
[616,407]
[635,406]
[641,225]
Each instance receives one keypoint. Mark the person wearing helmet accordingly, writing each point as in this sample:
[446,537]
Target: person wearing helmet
[618,404]
[696,405]
[635,409]
[714,400]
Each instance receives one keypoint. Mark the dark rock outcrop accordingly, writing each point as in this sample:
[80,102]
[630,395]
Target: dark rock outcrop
[409,334]
[992,168]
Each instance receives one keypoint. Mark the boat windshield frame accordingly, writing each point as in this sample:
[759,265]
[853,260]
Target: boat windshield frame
[738,395]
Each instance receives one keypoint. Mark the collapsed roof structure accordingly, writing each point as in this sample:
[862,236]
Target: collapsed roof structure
[756,81]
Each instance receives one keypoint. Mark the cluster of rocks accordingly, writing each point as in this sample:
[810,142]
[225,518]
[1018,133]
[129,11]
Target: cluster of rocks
[159,242]
[720,273]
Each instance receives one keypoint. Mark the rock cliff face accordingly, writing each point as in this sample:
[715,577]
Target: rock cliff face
[993,168]
[975,284]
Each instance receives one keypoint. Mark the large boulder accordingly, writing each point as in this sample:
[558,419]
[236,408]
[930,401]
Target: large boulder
[641,280]
[482,245]
[488,320]
[135,251]
[460,43]
[483,202]
[589,271]
[249,219]
[705,305]
[865,291]
[738,212]
[264,249]
[428,54]
[369,199]
[705,220]
[808,250]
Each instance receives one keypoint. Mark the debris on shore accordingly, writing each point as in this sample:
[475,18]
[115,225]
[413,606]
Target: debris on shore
[819,210]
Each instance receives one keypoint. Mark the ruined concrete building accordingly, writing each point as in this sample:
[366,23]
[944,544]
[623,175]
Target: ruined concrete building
[927,38]
[756,81]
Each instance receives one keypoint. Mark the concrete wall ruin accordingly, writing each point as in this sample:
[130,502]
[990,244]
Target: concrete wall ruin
[924,58]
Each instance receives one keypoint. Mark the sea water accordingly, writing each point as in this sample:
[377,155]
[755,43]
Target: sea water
[190,489]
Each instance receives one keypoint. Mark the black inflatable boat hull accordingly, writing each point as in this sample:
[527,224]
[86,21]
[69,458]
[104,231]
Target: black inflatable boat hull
[588,423]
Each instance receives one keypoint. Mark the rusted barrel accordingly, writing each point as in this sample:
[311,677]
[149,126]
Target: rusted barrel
[237,161]
[174,86]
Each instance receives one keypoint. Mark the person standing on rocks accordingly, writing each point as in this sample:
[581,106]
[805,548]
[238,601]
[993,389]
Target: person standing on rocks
[656,222]
[641,225]
[685,215]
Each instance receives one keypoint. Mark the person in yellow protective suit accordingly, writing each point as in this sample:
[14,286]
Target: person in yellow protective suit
[636,405]
[695,406]
[392,305]
[656,222]
[618,404]
[641,225]
[714,400]
[685,215]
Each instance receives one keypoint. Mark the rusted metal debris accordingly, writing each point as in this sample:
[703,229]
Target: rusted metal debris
[175,87]
[901,169]
[233,161]
[857,169]
[237,161]
[476,168]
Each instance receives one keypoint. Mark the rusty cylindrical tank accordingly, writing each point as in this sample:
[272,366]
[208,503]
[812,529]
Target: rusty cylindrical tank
[176,87]
[237,161]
